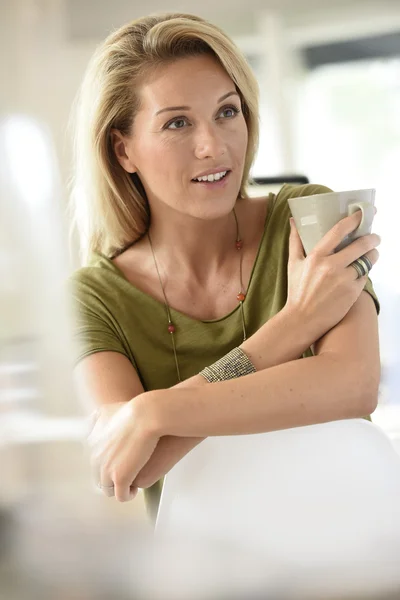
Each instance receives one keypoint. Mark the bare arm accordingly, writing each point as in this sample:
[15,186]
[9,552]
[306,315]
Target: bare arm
[322,290]
[109,377]
[287,335]
[283,338]
[340,382]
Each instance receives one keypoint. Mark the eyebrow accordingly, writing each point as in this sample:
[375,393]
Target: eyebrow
[188,107]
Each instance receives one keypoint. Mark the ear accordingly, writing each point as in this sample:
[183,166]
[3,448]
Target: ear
[120,145]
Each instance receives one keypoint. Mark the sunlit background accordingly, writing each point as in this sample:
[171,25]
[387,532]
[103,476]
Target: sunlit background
[329,75]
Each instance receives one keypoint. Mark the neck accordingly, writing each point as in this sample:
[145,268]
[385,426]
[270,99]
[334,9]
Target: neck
[193,246]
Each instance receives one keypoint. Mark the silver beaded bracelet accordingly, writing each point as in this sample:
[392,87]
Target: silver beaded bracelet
[234,364]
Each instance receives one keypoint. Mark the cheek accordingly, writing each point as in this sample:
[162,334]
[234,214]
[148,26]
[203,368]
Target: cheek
[237,138]
[169,151]
[158,156]
[161,164]
[170,158]
[238,148]
[244,137]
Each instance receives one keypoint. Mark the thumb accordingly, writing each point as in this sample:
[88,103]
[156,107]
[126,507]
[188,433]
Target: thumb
[296,250]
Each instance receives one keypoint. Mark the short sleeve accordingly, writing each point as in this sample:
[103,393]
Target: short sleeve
[93,326]
[297,191]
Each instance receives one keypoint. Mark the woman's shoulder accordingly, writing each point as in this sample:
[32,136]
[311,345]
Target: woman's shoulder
[279,206]
[96,280]
[112,282]
[97,267]
[286,192]
[272,212]
[259,205]
[289,190]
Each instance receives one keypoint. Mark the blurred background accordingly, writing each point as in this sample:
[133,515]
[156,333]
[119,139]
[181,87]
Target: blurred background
[329,75]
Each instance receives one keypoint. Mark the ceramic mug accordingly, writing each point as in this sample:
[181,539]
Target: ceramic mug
[315,215]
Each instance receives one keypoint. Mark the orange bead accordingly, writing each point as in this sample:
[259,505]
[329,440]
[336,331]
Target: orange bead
[241,297]
[171,328]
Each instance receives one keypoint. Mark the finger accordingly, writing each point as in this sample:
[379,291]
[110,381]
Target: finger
[100,478]
[133,490]
[122,490]
[372,256]
[105,483]
[361,247]
[354,275]
[129,465]
[126,493]
[360,265]
[296,250]
[116,479]
[331,240]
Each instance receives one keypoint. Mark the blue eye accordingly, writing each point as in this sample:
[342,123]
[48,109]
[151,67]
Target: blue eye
[232,108]
[179,122]
[174,122]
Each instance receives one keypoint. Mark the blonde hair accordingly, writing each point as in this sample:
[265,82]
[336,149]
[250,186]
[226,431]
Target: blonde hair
[109,206]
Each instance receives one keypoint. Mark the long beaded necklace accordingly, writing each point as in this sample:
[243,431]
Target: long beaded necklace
[240,297]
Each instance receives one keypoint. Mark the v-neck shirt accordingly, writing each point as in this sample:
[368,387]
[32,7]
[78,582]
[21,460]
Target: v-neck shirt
[112,314]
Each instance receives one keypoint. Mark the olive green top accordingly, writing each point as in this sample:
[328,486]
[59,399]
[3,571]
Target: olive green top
[112,314]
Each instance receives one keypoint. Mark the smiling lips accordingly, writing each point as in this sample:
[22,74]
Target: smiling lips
[212,177]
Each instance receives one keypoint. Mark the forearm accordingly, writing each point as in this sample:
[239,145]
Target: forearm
[283,338]
[303,392]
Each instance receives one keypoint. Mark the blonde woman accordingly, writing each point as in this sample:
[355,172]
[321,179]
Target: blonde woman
[197,313]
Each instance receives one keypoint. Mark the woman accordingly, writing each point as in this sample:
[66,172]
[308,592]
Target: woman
[188,280]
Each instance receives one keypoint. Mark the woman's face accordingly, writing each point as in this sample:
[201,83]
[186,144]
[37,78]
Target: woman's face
[190,124]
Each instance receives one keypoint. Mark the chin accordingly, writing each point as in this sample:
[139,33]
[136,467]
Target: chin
[216,210]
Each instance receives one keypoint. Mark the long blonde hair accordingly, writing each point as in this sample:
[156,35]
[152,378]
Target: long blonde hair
[109,206]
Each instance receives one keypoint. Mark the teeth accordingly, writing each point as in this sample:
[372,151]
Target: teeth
[213,177]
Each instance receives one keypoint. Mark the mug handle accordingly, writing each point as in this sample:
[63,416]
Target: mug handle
[368,213]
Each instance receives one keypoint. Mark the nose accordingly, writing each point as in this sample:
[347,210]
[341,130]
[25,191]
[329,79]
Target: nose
[209,142]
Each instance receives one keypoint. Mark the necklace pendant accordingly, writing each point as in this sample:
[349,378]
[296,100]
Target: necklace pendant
[239,244]
[171,328]
[241,297]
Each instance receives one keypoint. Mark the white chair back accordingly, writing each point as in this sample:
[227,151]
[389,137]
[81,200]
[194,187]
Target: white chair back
[310,500]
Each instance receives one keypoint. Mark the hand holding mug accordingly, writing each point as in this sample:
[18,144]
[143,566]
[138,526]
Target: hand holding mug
[323,286]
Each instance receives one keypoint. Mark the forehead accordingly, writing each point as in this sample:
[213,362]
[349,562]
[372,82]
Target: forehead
[186,81]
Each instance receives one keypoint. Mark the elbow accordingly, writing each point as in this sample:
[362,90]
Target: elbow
[368,403]
[360,386]
[366,391]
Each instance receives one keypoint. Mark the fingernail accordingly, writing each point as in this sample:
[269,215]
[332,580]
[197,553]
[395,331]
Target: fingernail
[291,221]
